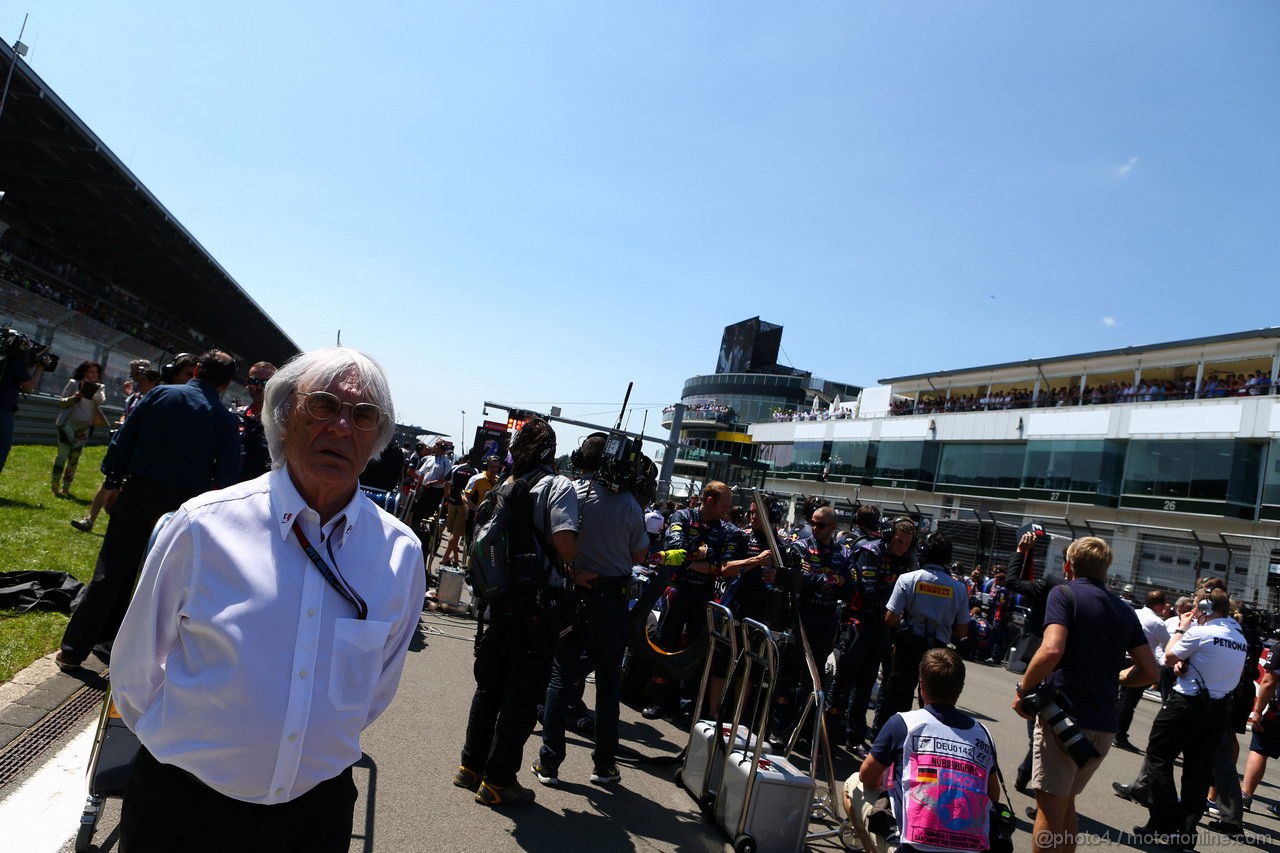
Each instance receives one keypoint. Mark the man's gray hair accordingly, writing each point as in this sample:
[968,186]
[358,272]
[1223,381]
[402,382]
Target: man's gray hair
[316,371]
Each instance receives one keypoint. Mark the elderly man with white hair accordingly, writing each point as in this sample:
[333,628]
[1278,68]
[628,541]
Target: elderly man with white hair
[269,629]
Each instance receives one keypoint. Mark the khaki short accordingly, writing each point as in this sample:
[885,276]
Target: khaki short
[1054,771]
[455,521]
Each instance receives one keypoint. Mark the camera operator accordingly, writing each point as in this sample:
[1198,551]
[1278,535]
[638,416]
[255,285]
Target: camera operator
[1086,633]
[698,543]
[927,609]
[611,539]
[1207,652]
[21,366]
[513,656]
[877,564]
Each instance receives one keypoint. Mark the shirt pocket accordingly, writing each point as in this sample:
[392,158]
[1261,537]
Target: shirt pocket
[357,662]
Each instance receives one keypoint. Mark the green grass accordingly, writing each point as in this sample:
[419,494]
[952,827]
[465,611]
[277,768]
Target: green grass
[35,535]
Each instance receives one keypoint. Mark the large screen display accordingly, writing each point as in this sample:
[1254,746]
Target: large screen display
[750,346]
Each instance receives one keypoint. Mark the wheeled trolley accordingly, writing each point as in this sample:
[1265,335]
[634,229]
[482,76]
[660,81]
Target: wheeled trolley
[763,802]
[706,754]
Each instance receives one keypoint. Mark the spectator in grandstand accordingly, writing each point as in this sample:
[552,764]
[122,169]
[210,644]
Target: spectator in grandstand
[148,378]
[19,374]
[179,441]
[251,659]
[81,401]
[255,457]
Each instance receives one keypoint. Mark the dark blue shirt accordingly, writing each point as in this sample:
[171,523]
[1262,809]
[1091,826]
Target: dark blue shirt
[874,571]
[687,530]
[15,373]
[180,436]
[822,564]
[1099,633]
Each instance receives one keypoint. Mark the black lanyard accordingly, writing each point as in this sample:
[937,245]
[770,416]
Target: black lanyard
[336,580]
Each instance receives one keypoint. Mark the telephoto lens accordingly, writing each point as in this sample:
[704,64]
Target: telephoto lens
[1047,703]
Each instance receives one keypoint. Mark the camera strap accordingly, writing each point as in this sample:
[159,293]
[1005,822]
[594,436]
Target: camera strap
[995,765]
[333,576]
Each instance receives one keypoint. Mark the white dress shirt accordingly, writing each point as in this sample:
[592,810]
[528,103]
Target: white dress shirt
[239,663]
[1156,630]
[435,468]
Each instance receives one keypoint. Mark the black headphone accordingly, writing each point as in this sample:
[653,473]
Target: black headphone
[575,458]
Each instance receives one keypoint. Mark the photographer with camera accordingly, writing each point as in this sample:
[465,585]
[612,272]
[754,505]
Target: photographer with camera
[433,485]
[944,780]
[21,366]
[611,539]
[1071,684]
[1207,652]
[81,401]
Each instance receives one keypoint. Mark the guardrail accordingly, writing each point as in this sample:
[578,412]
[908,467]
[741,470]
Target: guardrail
[34,423]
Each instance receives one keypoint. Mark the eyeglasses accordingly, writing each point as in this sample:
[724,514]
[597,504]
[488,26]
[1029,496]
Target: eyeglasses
[254,381]
[322,406]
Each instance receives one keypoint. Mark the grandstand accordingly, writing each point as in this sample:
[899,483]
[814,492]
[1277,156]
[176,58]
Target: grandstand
[93,264]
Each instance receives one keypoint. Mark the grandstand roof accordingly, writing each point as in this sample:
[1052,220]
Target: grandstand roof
[65,189]
[1190,347]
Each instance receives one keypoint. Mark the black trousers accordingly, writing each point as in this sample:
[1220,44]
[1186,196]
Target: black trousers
[166,809]
[904,676]
[512,668]
[1126,703]
[101,609]
[1190,726]
[856,671]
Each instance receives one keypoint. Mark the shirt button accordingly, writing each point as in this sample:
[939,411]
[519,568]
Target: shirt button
[311,611]
[279,791]
[302,674]
[292,738]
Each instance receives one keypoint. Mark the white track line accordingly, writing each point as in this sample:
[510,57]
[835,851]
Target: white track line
[44,813]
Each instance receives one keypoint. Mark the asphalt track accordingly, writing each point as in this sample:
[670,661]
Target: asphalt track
[408,803]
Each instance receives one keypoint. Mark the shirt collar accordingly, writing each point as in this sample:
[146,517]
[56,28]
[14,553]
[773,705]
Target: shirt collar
[287,505]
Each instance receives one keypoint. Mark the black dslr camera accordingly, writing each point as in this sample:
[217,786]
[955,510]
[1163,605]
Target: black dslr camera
[1047,702]
[1001,826]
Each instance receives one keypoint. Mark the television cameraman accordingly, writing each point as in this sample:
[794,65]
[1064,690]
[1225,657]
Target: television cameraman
[1087,630]
[21,365]
[611,539]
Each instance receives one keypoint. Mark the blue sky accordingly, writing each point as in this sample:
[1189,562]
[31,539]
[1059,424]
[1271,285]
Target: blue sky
[539,202]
